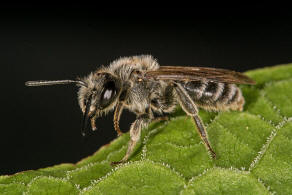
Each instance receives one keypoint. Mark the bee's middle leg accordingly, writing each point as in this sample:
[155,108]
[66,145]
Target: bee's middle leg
[191,109]
[161,118]
[135,132]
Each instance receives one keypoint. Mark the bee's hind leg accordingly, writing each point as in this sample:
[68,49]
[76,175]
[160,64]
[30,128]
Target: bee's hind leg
[191,109]
[135,132]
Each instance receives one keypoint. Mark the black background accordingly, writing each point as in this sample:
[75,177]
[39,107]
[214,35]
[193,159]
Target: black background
[40,127]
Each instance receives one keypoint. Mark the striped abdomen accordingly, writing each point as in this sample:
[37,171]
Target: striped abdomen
[215,96]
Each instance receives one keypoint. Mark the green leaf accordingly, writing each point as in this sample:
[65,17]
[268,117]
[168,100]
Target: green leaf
[254,153]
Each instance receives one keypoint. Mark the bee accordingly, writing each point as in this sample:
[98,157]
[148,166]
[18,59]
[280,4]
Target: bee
[152,92]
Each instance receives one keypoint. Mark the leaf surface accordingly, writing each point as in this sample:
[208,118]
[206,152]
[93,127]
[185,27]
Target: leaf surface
[254,152]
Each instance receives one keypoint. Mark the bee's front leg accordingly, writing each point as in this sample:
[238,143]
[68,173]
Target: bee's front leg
[135,132]
[117,115]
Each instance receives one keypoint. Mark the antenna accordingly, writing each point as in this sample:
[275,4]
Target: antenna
[56,82]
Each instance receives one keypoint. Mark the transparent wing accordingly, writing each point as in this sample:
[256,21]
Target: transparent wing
[181,73]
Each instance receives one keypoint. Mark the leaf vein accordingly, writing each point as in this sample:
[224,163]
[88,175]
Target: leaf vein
[267,143]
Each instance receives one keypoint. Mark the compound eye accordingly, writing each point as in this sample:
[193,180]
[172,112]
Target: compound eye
[108,94]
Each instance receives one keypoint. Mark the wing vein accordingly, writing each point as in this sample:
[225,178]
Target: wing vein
[180,73]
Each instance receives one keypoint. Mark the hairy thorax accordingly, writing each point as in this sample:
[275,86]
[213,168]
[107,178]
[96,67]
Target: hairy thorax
[139,92]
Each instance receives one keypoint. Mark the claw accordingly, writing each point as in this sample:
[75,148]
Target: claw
[117,163]
[93,126]
[213,154]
